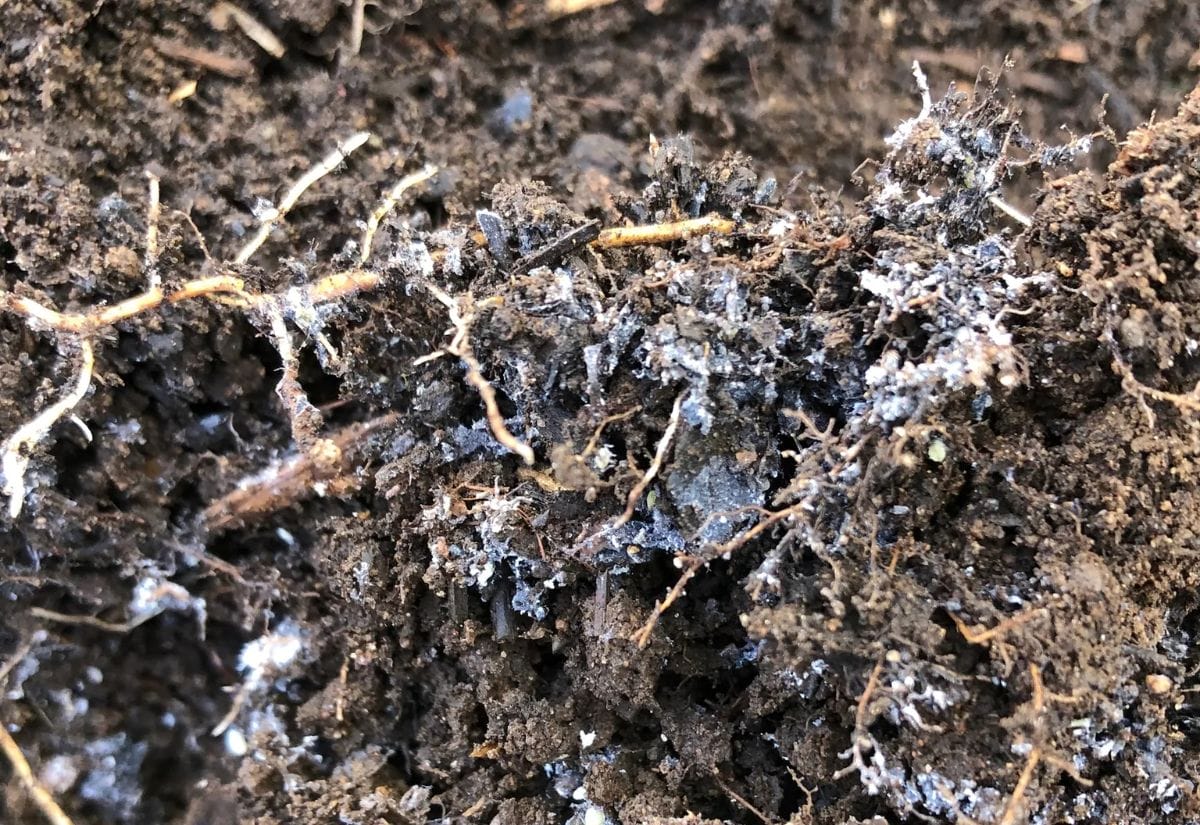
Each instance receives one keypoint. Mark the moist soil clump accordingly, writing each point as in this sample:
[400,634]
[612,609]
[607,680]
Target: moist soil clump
[629,412]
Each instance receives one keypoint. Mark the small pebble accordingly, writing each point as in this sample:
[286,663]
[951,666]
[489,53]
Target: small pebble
[1158,684]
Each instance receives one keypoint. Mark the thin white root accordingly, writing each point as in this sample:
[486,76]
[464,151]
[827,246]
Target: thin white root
[235,710]
[635,495]
[154,281]
[221,15]
[660,456]
[323,168]
[1010,210]
[460,347]
[15,451]
[357,24]
[41,797]
[304,417]
[388,204]
[923,87]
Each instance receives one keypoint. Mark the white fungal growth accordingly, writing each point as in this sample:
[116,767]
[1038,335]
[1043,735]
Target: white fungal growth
[152,596]
[270,656]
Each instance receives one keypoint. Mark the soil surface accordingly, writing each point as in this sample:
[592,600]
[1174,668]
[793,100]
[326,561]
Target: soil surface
[867,496]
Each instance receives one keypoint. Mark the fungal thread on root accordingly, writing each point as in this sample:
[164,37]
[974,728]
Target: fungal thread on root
[15,453]
[460,348]
[76,327]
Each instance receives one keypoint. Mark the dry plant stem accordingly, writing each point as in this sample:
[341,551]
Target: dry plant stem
[388,204]
[662,232]
[41,797]
[326,165]
[14,454]
[222,13]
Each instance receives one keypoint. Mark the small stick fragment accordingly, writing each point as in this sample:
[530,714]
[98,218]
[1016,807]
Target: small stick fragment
[326,165]
[281,486]
[221,64]
[388,204]
[357,24]
[15,451]
[662,232]
[41,797]
[559,248]
[223,12]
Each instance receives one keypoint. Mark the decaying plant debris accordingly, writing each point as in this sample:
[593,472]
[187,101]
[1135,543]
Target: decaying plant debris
[655,490]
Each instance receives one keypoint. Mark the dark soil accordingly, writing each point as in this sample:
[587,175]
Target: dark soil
[922,477]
